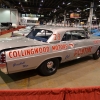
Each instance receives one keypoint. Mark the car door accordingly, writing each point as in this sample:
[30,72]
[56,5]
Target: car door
[77,45]
[83,46]
[69,53]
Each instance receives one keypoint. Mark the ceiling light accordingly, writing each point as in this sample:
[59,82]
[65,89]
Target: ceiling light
[19,3]
[55,10]
[40,4]
[63,3]
[41,0]
[88,8]
[69,3]
[95,18]
[78,11]
[25,0]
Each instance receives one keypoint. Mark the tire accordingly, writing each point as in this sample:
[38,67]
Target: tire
[49,67]
[96,55]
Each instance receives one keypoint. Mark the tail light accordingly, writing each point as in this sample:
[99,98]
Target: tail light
[2,60]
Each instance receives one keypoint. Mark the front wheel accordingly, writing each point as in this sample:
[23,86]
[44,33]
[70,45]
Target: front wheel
[49,67]
[96,55]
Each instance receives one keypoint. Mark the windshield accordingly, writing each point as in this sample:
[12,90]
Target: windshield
[40,34]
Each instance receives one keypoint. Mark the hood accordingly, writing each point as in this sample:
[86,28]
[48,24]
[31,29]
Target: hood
[13,42]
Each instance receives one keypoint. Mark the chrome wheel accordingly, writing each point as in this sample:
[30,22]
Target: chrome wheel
[50,64]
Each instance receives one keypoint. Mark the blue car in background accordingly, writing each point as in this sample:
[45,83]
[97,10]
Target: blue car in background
[96,32]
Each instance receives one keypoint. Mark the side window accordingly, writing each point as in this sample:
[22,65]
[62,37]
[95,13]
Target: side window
[67,36]
[77,35]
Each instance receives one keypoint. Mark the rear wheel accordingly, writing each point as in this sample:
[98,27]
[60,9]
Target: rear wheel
[96,55]
[49,67]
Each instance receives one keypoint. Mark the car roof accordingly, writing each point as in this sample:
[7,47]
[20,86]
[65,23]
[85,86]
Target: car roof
[57,28]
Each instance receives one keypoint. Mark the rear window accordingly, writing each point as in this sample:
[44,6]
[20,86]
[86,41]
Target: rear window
[40,34]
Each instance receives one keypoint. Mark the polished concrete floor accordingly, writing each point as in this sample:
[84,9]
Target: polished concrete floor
[84,72]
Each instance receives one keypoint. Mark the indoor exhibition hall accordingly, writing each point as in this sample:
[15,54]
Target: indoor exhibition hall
[49,49]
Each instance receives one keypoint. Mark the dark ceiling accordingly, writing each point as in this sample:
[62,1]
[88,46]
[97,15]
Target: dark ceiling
[50,8]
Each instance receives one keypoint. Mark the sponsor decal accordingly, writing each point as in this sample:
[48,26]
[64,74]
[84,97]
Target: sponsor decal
[59,47]
[96,41]
[67,56]
[19,64]
[25,65]
[38,50]
[82,51]
[71,45]
[28,52]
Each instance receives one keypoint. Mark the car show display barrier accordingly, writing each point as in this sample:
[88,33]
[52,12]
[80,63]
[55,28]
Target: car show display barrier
[88,93]
[11,30]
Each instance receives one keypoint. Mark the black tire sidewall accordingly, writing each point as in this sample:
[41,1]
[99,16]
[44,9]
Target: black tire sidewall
[44,70]
[95,55]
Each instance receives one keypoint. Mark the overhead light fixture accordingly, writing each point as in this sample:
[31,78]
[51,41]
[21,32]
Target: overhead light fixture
[63,3]
[78,11]
[55,10]
[69,3]
[40,4]
[87,8]
[41,0]
[25,0]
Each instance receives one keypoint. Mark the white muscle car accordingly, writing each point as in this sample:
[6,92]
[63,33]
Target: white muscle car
[44,48]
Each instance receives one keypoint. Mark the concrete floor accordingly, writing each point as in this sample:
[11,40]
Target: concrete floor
[82,72]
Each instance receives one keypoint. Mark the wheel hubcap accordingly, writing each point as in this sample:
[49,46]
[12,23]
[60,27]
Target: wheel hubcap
[50,64]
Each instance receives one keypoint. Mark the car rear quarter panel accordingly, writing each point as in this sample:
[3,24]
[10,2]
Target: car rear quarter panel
[21,59]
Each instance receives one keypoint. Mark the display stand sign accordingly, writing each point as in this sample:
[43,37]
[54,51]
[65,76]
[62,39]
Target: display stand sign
[74,15]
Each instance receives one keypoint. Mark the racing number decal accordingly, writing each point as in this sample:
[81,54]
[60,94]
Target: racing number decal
[56,36]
